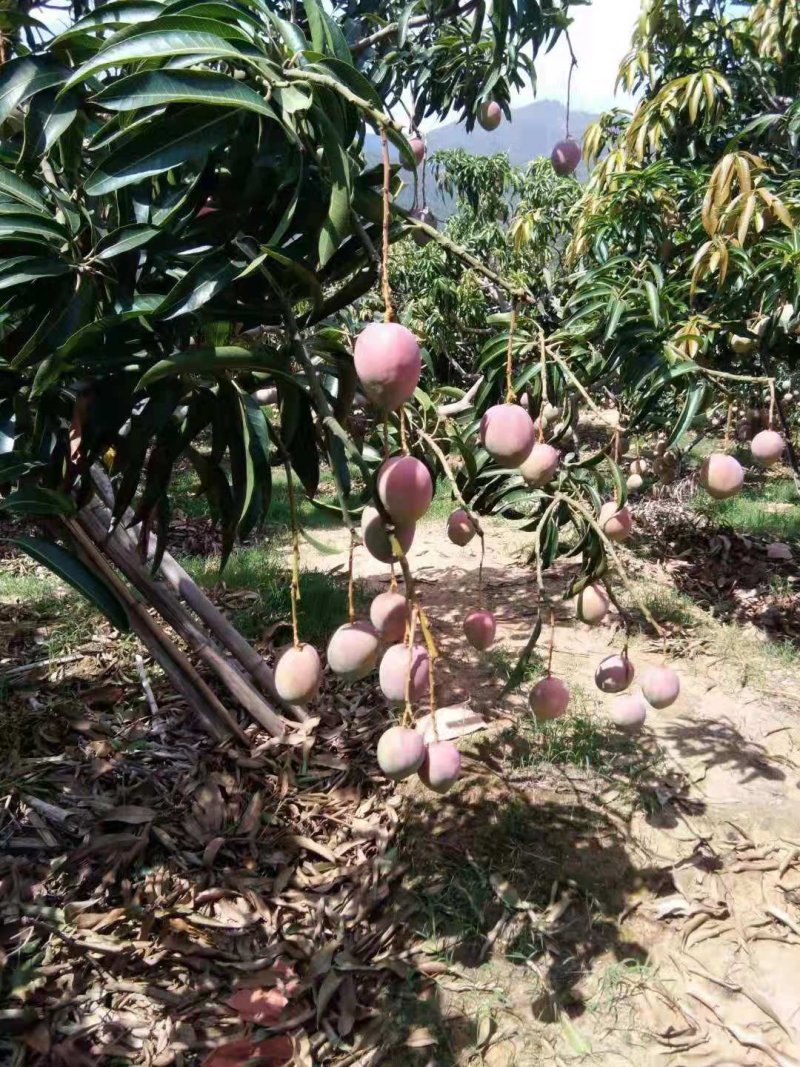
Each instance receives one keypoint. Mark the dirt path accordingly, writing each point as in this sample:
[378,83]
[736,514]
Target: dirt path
[641,909]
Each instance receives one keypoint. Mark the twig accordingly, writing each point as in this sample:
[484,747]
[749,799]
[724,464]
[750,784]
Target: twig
[388,310]
[588,517]
[146,687]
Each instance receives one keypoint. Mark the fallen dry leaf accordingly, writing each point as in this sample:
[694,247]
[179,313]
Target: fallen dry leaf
[263,1006]
[273,1052]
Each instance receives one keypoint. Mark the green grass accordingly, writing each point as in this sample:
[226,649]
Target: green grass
[323,604]
[502,664]
[667,605]
[768,509]
[73,617]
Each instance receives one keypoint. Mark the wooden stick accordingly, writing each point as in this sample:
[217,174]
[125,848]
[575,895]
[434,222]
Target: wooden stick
[121,549]
[215,717]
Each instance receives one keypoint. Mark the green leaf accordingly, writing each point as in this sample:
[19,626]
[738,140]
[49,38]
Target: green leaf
[325,33]
[613,320]
[14,465]
[49,117]
[30,224]
[183,136]
[695,400]
[206,278]
[208,361]
[11,185]
[22,78]
[238,432]
[73,571]
[337,225]
[299,436]
[121,13]
[36,500]
[154,88]
[620,484]
[158,43]
[125,239]
[23,269]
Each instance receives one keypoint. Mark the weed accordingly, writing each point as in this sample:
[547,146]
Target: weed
[323,604]
[502,664]
[770,508]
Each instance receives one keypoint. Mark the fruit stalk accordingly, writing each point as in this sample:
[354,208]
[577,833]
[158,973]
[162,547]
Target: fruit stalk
[511,396]
[388,312]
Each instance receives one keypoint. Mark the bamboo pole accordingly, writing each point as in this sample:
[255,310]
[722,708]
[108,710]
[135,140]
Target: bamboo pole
[121,549]
[212,712]
[183,585]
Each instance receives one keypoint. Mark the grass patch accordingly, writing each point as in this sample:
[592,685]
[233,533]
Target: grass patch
[668,605]
[768,509]
[502,664]
[48,598]
[323,604]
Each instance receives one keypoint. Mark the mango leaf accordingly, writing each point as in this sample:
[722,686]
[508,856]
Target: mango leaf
[12,186]
[125,239]
[22,78]
[325,34]
[208,360]
[695,400]
[209,276]
[154,88]
[299,436]
[184,136]
[73,571]
[620,482]
[156,41]
[36,500]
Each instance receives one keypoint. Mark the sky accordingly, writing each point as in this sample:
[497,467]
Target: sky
[601,35]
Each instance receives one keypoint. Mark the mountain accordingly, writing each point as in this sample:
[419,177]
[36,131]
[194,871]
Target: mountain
[532,132]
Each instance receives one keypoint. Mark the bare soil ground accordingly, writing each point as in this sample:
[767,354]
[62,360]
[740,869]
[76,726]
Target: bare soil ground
[580,897]
[641,910]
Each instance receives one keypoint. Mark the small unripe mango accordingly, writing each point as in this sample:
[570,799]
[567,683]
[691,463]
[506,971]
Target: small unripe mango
[388,613]
[460,527]
[400,752]
[549,698]
[441,766]
[353,651]
[480,628]
[297,674]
